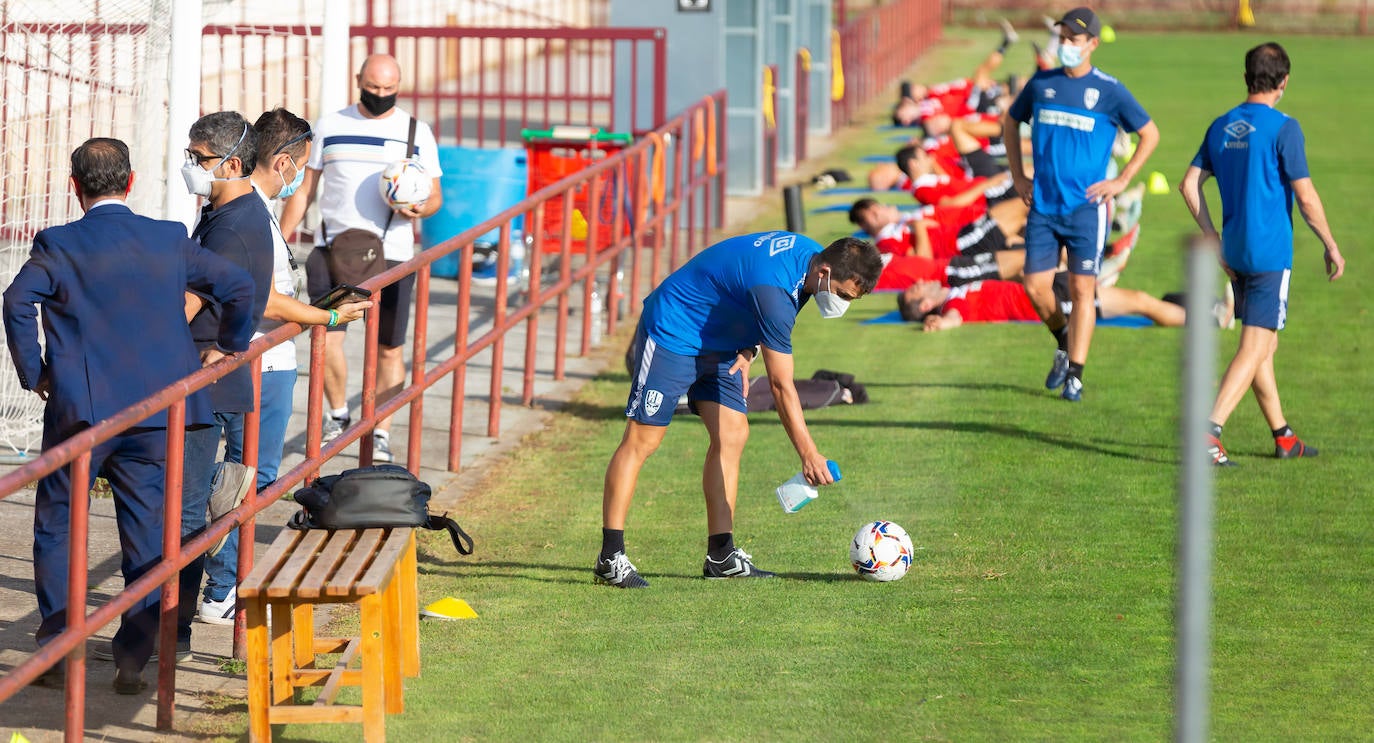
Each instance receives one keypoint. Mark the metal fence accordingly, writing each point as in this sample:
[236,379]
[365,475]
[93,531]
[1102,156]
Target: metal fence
[1288,16]
[877,45]
[669,187]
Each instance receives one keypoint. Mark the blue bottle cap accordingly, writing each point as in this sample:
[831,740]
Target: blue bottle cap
[834,469]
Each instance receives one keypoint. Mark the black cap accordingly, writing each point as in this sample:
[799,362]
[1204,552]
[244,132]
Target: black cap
[1082,21]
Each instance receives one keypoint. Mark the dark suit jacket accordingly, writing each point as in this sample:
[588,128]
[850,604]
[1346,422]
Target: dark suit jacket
[112,286]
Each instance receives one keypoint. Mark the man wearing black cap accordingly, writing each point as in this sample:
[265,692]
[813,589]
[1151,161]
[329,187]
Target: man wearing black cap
[1076,110]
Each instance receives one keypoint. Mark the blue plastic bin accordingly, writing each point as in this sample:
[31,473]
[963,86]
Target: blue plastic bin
[477,185]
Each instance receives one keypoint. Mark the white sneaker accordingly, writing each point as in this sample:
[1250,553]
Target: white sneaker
[218,612]
[1009,34]
[332,428]
[381,447]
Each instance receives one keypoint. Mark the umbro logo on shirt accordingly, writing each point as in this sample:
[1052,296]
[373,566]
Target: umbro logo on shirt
[1049,93]
[780,244]
[1239,129]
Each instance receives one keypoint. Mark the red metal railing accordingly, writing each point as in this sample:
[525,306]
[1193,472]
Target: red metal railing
[877,45]
[477,86]
[672,184]
[1288,16]
[483,85]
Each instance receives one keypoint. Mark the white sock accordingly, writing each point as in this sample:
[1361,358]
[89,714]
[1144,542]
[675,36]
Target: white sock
[383,434]
[340,413]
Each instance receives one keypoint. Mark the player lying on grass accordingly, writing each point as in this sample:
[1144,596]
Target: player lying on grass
[935,232]
[933,107]
[967,135]
[699,332]
[943,308]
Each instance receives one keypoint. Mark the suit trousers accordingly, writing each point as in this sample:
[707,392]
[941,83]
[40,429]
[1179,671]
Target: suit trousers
[135,465]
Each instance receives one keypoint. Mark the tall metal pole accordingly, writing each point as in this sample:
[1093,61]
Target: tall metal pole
[183,103]
[1195,532]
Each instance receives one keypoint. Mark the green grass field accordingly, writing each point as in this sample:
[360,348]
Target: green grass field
[1040,604]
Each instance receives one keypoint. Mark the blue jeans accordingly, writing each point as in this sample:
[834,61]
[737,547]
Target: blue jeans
[221,571]
[198,469]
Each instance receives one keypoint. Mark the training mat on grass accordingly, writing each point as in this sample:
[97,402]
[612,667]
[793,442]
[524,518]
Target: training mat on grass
[1125,321]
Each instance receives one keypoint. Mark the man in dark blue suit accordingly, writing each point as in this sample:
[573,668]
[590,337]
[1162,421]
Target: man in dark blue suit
[111,286]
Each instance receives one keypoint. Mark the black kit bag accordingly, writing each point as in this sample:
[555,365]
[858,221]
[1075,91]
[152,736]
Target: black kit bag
[377,497]
[356,255]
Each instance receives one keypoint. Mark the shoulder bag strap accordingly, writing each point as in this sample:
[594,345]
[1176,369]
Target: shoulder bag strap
[410,150]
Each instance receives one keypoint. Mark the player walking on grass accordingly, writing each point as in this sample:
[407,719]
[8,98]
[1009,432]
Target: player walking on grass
[700,330]
[1258,156]
[1076,111]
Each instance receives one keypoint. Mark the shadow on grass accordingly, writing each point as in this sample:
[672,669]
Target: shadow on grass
[429,565]
[587,411]
[995,429]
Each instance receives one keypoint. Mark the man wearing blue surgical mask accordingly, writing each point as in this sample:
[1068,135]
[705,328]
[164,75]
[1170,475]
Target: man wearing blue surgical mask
[1075,111]
[699,332]
[283,141]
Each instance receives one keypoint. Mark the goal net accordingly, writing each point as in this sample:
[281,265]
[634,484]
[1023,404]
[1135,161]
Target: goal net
[70,70]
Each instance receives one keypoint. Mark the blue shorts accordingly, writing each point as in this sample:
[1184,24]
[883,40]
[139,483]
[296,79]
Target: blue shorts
[661,377]
[1083,232]
[1262,298]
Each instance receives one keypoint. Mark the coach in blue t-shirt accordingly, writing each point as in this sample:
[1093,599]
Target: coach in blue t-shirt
[699,332]
[1074,112]
[1258,157]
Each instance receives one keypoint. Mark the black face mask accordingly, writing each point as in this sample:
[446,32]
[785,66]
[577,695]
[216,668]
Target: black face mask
[376,104]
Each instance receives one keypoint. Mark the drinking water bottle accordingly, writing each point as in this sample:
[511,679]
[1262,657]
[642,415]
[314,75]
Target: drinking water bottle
[797,492]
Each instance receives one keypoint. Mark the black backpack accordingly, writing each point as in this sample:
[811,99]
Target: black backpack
[380,496]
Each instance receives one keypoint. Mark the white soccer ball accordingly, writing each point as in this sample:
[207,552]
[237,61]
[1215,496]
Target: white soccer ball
[881,551]
[405,183]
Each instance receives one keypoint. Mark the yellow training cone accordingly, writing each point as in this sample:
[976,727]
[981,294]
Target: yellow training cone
[17,738]
[449,608]
[1158,184]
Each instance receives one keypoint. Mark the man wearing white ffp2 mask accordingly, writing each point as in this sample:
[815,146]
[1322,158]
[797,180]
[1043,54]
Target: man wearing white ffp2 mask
[697,336]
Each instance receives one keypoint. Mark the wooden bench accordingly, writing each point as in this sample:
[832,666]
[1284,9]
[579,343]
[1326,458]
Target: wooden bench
[371,568]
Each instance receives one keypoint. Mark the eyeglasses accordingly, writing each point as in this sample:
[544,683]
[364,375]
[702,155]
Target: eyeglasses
[200,159]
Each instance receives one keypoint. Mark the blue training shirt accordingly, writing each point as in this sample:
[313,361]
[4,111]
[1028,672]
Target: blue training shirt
[738,293]
[1256,152]
[1074,123]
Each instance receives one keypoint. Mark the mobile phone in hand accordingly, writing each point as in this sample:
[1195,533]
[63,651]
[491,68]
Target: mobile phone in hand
[342,294]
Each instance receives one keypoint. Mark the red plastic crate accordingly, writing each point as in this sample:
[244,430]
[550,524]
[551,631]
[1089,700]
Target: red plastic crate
[555,154]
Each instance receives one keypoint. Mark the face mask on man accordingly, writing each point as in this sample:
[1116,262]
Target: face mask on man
[830,304]
[199,181]
[289,188]
[1070,55]
[376,104]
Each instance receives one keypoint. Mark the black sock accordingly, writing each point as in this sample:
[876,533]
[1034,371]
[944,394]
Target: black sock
[1061,336]
[612,541]
[1216,428]
[1285,431]
[719,546]
[1076,371]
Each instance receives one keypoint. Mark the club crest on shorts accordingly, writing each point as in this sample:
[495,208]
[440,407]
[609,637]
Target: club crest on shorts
[653,400]
[1090,97]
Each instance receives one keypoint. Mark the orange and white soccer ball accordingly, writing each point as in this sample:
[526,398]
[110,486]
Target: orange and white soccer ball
[405,183]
